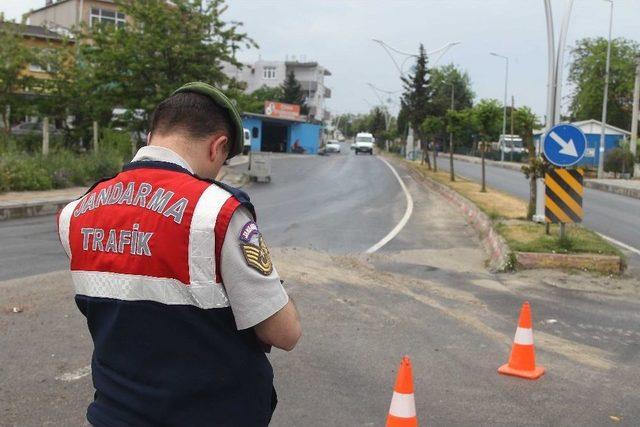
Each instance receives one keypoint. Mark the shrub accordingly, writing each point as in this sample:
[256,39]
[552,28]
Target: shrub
[618,161]
[118,141]
[26,173]
[63,168]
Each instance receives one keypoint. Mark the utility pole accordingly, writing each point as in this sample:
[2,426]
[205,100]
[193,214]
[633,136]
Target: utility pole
[512,109]
[605,96]
[452,175]
[504,109]
[45,136]
[634,119]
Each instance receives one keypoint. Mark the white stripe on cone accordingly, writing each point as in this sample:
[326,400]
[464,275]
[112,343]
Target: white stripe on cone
[524,336]
[402,405]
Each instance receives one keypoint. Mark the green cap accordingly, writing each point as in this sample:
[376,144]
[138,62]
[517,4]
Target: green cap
[216,95]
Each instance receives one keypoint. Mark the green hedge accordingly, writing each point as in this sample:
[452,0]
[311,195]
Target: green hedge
[22,168]
[60,169]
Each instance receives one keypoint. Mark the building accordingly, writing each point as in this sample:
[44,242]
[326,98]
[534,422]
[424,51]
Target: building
[311,76]
[40,38]
[281,135]
[63,15]
[592,129]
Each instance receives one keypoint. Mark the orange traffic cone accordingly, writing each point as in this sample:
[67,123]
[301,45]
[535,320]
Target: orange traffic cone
[522,362]
[402,412]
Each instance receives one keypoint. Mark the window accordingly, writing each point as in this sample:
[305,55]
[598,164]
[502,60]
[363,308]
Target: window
[106,16]
[36,68]
[269,73]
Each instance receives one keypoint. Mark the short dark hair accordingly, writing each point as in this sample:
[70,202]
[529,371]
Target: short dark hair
[192,114]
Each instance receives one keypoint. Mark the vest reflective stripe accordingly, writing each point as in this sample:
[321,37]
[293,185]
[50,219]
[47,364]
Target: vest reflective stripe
[130,287]
[64,221]
[207,227]
[202,239]
[222,224]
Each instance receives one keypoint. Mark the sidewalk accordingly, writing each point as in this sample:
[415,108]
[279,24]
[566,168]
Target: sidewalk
[22,204]
[623,187]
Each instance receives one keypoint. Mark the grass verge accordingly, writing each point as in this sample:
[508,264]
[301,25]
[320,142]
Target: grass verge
[508,214]
[495,204]
[524,236]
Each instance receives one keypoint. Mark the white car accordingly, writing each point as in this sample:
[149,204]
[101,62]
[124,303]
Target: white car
[247,141]
[332,146]
[364,143]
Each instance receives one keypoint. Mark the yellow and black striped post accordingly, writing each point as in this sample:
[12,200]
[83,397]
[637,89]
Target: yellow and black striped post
[564,192]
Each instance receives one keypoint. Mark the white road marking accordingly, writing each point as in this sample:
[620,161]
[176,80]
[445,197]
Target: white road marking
[619,243]
[407,213]
[75,375]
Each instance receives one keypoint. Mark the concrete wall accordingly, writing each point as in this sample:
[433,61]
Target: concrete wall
[67,13]
[593,144]
[63,14]
[308,136]
[249,123]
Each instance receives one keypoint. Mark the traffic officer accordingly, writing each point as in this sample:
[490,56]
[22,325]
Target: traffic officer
[175,279]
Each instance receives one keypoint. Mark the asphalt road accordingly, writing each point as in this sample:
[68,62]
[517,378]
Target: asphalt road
[308,195]
[613,215]
[426,294]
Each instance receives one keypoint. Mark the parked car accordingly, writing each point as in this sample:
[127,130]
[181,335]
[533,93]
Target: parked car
[332,146]
[364,143]
[32,129]
[247,142]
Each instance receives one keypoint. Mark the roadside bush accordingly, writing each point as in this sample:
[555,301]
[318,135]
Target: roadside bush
[25,173]
[118,141]
[63,168]
[618,161]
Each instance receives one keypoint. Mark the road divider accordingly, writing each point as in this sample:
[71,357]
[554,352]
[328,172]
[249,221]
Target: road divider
[405,218]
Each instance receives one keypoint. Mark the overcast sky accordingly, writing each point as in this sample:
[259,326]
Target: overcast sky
[338,35]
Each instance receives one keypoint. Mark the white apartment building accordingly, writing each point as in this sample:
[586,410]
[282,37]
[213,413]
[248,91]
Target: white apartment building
[273,73]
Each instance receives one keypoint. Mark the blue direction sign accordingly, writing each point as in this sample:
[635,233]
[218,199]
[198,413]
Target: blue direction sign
[564,145]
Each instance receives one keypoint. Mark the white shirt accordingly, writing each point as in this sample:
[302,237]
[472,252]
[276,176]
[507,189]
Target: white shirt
[253,296]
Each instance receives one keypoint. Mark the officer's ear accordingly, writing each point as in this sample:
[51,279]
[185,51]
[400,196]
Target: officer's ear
[219,147]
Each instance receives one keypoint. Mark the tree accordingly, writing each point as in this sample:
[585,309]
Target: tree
[417,96]
[488,116]
[15,56]
[254,102]
[430,128]
[163,47]
[587,74]
[378,124]
[292,92]
[441,80]
[525,123]
[459,123]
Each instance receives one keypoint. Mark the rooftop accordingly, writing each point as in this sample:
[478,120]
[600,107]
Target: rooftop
[33,31]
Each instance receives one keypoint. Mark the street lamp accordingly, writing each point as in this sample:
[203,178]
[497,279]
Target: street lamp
[388,49]
[605,96]
[504,112]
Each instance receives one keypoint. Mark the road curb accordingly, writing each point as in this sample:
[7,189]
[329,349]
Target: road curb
[608,264]
[500,258]
[622,191]
[33,208]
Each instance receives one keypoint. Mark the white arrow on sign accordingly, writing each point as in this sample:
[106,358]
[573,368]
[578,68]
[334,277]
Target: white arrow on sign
[568,148]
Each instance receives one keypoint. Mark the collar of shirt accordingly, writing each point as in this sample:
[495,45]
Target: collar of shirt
[161,154]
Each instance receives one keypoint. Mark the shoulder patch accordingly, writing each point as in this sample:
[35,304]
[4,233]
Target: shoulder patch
[258,257]
[249,230]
